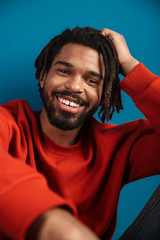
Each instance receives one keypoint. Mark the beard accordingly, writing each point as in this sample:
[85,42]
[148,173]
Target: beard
[63,119]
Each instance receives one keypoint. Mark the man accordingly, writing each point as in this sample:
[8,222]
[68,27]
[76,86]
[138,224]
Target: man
[61,170]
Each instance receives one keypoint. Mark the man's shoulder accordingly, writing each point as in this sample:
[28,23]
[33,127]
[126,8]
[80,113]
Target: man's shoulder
[10,110]
[100,127]
[14,103]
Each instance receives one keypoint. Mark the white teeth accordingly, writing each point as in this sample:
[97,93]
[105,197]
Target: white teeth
[68,103]
[72,104]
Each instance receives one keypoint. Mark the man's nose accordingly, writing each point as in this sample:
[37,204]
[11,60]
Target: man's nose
[75,84]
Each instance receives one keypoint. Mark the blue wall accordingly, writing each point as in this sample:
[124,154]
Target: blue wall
[27,26]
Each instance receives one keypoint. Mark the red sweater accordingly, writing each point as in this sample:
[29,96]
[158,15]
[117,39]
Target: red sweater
[37,174]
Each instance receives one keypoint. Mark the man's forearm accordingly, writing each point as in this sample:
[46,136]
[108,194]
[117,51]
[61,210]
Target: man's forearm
[59,224]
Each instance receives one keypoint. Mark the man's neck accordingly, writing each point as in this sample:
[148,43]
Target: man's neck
[61,137]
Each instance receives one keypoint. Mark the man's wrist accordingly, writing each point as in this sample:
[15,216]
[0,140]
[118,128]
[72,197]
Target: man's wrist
[129,65]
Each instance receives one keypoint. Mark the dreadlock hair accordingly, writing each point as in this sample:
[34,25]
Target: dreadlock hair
[90,37]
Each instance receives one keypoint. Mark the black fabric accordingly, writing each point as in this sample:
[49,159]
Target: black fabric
[147,224]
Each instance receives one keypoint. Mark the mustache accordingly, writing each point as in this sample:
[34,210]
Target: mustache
[73,95]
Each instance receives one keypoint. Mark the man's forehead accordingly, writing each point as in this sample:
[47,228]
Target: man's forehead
[80,54]
[75,47]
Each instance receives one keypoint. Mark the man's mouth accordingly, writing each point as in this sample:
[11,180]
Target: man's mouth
[68,102]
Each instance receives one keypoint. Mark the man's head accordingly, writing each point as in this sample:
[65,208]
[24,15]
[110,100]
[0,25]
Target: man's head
[105,64]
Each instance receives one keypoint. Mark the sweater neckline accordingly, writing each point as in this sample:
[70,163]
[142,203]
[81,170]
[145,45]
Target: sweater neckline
[58,149]
[52,146]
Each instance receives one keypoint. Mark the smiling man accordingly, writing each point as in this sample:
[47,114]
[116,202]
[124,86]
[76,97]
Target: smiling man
[61,170]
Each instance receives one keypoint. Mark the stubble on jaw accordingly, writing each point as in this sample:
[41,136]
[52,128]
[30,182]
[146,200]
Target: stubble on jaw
[65,120]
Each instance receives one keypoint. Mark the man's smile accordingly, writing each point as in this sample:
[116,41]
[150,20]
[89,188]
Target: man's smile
[69,104]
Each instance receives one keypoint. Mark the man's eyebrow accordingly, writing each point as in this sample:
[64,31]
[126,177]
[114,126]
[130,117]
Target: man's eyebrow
[67,64]
[95,74]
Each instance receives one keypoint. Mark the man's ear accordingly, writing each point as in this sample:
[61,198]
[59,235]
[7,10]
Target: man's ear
[42,78]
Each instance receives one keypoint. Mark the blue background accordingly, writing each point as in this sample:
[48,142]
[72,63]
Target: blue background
[27,26]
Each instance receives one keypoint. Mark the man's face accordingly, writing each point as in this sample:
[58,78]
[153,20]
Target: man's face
[72,89]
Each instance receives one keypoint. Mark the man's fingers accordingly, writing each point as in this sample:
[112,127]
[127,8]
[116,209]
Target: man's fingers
[112,35]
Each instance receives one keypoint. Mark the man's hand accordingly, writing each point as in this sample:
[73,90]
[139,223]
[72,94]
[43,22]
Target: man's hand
[59,224]
[126,61]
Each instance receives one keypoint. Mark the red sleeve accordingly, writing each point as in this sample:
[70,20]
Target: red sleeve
[144,88]
[24,193]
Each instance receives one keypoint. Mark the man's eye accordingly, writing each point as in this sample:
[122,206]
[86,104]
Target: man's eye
[63,71]
[91,81]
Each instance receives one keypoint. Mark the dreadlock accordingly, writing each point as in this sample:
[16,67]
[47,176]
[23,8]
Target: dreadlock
[111,96]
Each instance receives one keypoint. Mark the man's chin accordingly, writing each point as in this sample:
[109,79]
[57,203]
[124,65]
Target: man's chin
[66,123]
